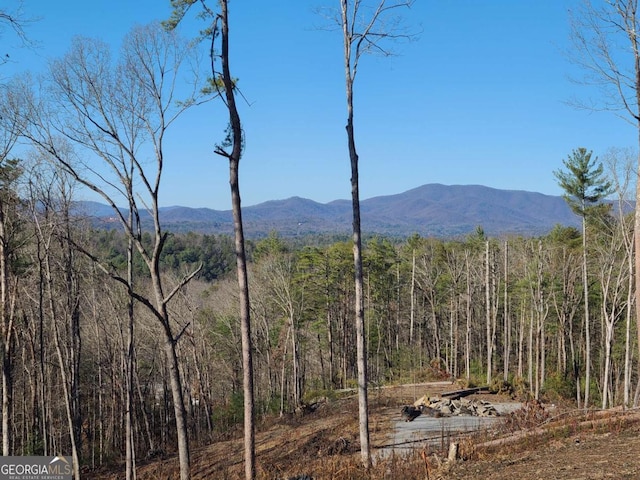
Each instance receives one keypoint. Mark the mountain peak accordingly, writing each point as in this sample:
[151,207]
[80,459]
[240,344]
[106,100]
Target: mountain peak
[428,210]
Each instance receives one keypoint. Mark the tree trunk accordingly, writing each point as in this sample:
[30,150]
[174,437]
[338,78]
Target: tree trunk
[530,351]
[130,450]
[636,237]
[241,259]
[587,322]
[297,371]
[363,402]
[413,295]
[467,336]
[488,312]
[247,358]
[180,412]
[627,340]
[171,355]
[506,336]
[64,376]
[521,343]
[7,331]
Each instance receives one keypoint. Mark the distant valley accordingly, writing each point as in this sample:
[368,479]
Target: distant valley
[430,210]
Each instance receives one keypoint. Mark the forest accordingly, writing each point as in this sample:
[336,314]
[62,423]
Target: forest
[129,343]
[508,312]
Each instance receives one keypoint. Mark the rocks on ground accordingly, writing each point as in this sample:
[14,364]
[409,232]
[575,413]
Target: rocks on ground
[436,406]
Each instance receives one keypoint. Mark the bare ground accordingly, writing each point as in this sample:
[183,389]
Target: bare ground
[325,445]
[583,448]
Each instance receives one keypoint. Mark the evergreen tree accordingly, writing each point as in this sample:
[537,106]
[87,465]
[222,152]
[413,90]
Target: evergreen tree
[585,185]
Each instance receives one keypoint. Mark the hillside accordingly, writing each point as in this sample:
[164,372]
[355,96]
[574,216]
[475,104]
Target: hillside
[324,445]
[430,210]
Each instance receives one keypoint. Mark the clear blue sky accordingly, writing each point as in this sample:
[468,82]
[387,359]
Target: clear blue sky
[479,98]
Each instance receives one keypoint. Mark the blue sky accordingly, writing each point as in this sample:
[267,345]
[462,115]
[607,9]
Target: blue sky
[479,98]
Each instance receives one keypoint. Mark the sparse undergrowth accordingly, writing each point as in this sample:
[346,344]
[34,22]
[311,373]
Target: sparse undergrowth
[324,445]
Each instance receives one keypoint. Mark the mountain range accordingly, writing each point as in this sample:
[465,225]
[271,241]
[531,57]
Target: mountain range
[443,211]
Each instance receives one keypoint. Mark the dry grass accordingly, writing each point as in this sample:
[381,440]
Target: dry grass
[325,446]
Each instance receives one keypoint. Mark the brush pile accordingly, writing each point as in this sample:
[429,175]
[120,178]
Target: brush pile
[448,407]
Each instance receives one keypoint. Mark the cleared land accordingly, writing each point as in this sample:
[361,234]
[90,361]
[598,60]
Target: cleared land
[533,443]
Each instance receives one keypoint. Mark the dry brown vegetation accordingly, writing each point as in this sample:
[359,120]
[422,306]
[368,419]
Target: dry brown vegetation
[533,443]
[577,446]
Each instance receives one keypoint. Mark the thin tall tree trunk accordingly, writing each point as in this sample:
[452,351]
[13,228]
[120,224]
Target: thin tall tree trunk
[363,402]
[180,413]
[467,338]
[488,312]
[282,373]
[530,351]
[129,437]
[241,259]
[636,237]
[627,337]
[587,322]
[633,37]
[41,352]
[64,377]
[247,360]
[171,355]
[7,331]
[297,373]
[330,342]
[506,336]
[361,355]
[521,342]
[413,294]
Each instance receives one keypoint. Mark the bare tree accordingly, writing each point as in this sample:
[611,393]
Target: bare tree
[491,306]
[613,277]
[540,310]
[62,292]
[607,46]
[15,21]
[9,173]
[366,29]
[566,267]
[620,164]
[120,115]
[276,271]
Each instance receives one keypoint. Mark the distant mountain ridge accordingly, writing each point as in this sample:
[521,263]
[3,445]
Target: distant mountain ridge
[444,211]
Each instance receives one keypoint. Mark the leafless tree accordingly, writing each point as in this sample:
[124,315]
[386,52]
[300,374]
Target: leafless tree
[606,44]
[117,116]
[275,272]
[367,28]
[613,277]
[14,20]
[620,164]
[9,173]
[62,297]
